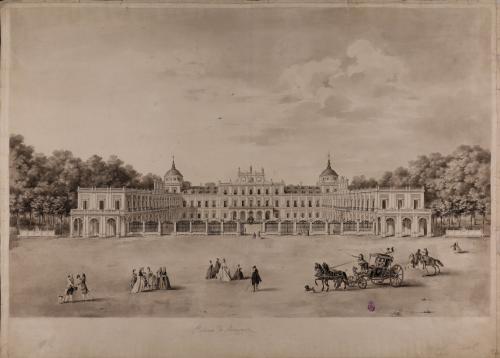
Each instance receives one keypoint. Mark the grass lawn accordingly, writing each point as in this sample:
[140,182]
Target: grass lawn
[38,269]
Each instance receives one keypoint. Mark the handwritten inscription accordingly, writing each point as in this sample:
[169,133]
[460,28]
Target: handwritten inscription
[222,329]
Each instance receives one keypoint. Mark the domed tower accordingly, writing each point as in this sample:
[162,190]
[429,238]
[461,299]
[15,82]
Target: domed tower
[173,179]
[328,179]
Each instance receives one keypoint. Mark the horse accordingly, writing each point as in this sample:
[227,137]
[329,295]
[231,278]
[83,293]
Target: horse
[426,260]
[413,260]
[337,276]
[432,262]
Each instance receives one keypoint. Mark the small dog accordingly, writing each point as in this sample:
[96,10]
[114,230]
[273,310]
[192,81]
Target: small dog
[309,289]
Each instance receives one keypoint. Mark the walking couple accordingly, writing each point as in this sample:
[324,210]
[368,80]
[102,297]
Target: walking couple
[72,286]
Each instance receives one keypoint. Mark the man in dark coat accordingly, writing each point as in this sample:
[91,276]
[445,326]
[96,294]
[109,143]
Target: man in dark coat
[210,271]
[216,267]
[255,279]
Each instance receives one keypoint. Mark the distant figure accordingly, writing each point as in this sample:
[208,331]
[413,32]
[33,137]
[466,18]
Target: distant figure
[253,236]
[255,279]
[70,289]
[455,247]
[210,271]
[217,266]
[133,279]
[82,284]
[238,274]
[258,234]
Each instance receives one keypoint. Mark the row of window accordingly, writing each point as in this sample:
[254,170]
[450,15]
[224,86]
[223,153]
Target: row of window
[234,215]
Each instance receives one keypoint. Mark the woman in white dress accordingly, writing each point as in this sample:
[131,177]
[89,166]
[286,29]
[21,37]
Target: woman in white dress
[224,274]
[140,283]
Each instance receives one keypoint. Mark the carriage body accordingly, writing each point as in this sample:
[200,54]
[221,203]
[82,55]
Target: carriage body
[382,269]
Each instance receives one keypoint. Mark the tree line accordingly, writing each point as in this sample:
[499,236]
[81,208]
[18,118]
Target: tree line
[43,189]
[456,185]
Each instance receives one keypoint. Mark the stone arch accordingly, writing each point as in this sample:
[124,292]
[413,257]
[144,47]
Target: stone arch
[258,216]
[267,215]
[406,227]
[243,215]
[422,227]
[390,227]
[135,226]
[77,227]
[93,227]
[318,225]
[167,227]
[111,227]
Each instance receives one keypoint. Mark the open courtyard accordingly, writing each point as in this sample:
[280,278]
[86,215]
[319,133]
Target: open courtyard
[38,269]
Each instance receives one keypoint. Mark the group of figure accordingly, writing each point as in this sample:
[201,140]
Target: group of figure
[72,286]
[148,281]
[220,271]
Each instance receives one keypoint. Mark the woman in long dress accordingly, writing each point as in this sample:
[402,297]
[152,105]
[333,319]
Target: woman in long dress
[224,274]
[140,283]
[165,277]
[82,284]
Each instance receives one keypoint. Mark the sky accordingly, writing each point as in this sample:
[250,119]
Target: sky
[278,88]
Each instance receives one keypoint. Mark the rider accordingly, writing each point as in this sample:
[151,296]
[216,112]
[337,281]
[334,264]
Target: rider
[363,264]
[426,253]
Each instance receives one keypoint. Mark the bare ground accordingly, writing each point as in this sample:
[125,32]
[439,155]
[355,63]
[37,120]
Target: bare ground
[39,268]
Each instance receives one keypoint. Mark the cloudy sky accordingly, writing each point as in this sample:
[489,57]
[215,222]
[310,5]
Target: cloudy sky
[278,88]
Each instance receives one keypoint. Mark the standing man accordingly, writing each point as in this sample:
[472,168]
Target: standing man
[255,279]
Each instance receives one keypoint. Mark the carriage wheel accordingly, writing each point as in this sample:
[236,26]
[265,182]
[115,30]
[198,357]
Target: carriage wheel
[362,282]
[351,281]
[396,276]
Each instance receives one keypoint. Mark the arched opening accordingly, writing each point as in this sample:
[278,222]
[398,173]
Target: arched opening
[183,226]
[230,226]
[151,226]
[422,227]
[135,227]
[111,227]
[214,228]
[243,216]
[379,226]
[258,216]
[406,230]
[350,225]
[267,215]
[389,227]
[235,215]
[335,227]
[77,227]
[271,227]
[318,225]
[365,226]
[94,228]
[198,226]
[303,228]
[167,228]
[286,228]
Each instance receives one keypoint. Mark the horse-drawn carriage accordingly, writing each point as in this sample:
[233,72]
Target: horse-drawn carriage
[377,272]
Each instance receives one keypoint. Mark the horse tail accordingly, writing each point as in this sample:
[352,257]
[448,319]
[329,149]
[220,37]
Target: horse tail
[439,263]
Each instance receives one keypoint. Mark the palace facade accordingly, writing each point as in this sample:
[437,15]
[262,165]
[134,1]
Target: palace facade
[250,204]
